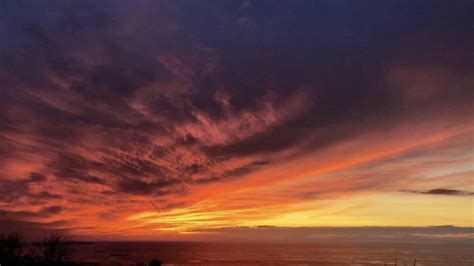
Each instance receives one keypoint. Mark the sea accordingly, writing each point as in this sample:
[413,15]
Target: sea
[218,253]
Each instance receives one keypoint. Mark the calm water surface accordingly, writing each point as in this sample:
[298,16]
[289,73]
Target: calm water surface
[194,253]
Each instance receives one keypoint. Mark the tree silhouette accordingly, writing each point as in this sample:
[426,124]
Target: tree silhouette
[10,248]
[56,248]
[155,262]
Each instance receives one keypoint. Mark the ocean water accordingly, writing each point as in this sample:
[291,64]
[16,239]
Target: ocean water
[198,253]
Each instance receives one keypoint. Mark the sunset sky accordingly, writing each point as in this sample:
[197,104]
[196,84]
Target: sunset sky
[185,119]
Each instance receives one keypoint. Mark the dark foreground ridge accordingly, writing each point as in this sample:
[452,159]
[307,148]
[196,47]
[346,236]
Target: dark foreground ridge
[54,250]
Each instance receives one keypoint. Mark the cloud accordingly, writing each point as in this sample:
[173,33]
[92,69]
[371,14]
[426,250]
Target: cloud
[11,190]
[161,187]
[444,191]
[36,177]
[41,213]
[52,210]
[244,110]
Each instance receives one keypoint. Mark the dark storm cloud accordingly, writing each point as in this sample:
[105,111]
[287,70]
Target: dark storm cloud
[299,43]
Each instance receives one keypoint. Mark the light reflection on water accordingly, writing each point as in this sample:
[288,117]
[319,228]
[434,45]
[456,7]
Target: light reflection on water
[197,253]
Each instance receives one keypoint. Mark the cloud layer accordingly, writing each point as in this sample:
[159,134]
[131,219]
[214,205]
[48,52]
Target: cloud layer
[176,116]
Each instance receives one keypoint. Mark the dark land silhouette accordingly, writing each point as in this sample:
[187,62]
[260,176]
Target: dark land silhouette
[53,250]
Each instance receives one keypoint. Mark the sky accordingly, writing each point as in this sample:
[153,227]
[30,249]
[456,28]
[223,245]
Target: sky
[226,119]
